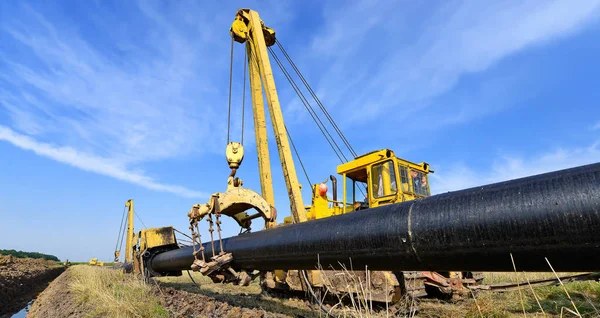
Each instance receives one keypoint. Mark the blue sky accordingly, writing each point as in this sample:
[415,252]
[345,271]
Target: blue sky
[103,101]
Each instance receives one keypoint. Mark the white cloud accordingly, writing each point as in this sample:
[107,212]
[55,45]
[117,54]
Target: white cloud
[87,162]
[160,94]
[406,60]
[461,176]
[120,92]
[136,106]
[106,106]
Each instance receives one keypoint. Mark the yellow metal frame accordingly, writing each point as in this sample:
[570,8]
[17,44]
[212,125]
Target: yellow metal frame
[130,236]
[260,131]
[234,203]
[360,169]
[155,237]
[376,157]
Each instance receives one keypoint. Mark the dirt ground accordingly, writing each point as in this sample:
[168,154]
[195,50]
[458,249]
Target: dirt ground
[179,297]
[21,279]
[180,303]
[57,300]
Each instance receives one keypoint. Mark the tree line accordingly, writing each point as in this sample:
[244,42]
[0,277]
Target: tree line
[21,254]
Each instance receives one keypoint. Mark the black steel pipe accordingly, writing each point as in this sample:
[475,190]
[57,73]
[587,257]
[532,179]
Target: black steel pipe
[554,215]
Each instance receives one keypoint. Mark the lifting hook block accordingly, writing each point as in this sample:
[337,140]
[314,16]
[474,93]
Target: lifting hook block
[234,154]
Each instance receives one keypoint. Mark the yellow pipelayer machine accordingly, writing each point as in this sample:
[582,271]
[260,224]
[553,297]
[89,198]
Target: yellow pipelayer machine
[374,179]
[140,246]
[370,180]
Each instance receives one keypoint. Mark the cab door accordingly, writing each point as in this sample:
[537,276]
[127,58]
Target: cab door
[383,183]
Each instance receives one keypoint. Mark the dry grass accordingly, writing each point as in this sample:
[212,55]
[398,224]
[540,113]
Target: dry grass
[582,297]
[114,294]
[511,277]
[359,303]
[552,301]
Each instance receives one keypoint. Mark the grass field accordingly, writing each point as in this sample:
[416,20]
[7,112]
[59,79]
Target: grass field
[552,301]
[114,294]
[542,301]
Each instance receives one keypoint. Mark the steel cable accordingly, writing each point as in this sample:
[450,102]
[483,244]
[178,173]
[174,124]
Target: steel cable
[244,95]
[307,105]
[311,111]
[193,281]
[299,159]
[140,219]
[121,230]
[230,87]
[250,57]
[178,231]
[321,106]
[302,98]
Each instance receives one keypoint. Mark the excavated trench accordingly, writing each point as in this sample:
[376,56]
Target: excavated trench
[21,279]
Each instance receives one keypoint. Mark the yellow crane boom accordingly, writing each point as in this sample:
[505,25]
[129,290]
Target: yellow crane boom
[248,28]
[129,238]
[129,235]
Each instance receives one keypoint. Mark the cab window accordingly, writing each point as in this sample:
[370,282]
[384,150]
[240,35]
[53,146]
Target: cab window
[355,191]
[350,191]
[356,194]
[419,182]
[404,181]
[383,179]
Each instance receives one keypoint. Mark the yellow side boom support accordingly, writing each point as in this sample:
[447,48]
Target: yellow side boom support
[248,28]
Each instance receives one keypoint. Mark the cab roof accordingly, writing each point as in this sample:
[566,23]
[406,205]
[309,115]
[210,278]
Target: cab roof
[356,169]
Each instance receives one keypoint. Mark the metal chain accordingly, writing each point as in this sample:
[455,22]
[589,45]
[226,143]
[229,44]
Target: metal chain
[218,214]
[196,239]
[217,267]
[211,230]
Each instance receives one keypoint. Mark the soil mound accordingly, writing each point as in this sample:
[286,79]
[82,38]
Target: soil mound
[23,278]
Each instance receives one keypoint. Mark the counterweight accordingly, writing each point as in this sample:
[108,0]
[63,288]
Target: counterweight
[554,215]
